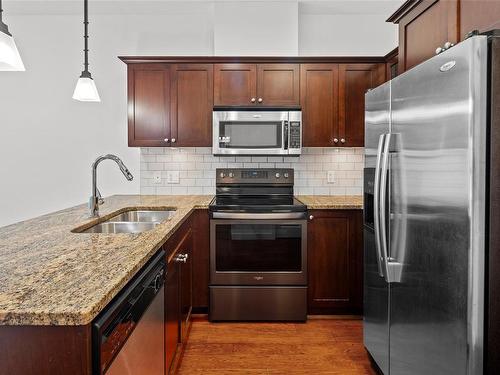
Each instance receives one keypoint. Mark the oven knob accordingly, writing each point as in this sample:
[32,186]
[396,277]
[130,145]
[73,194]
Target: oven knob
[222,175]
[277,175]
[231,174]
[286,175]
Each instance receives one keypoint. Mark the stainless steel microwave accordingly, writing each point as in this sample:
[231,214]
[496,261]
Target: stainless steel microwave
[264,132]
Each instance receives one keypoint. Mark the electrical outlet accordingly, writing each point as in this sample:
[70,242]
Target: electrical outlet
[173,177]
[331,177]
[157,178]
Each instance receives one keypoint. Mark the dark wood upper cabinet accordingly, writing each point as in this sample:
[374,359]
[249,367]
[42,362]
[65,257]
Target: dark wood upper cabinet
[391,64]
[335,262]
[354,81]
[278,84]
[482,15]
[256,84]
[148,105]
[235,84]
[319,101]
[425,25]
[191,105]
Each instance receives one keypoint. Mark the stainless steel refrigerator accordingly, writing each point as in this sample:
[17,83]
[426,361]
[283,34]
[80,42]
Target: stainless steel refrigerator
[431,169]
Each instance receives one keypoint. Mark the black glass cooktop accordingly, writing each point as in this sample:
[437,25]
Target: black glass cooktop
[257,204]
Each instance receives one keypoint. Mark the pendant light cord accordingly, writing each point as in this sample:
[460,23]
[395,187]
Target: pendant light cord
[85,72]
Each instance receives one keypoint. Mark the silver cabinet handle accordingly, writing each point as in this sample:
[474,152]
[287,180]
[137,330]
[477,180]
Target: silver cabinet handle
[311,217]
[335,140]
[260,100]
[252,100]
[342,140]
[173,140]
[166,140]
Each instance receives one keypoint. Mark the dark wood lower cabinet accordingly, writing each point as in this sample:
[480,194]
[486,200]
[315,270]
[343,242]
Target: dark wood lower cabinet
[335,262]
[45,350]
[186,285]
[201,260]
[172,313]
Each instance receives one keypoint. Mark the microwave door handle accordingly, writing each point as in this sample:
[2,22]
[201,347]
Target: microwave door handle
[285,135]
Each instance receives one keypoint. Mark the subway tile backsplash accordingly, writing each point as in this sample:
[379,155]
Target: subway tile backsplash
[196,166]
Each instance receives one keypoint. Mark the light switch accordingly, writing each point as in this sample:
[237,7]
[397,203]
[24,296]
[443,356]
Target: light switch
[331,177]
[173,177]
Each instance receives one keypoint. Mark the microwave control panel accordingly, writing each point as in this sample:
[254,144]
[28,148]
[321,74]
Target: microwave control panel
[295,134]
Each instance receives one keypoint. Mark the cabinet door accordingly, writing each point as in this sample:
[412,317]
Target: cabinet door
[235,84]
[172,309]
[278,85]
[335,262]
[482,15]
[201,260]
[428,26]
[148,105]
[354,81]
[319,101]
[191,105]
[186,288]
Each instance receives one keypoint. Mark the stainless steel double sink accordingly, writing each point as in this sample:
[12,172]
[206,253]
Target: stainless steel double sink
[132,221]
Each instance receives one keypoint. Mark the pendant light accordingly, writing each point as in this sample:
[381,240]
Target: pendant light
[10,60]
[85,90]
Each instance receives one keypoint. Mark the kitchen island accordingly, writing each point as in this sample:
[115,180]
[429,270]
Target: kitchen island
[55,281]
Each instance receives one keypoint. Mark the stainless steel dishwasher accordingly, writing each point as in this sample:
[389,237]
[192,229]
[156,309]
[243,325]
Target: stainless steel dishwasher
[128,337]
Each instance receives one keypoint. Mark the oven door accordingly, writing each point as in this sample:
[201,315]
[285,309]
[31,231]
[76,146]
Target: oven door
[258,252]
[250,133]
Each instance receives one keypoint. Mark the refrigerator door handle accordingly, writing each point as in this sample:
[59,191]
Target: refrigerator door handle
[376,205]
[382,205]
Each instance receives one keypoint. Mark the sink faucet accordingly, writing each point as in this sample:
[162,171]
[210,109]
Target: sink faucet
[96,199]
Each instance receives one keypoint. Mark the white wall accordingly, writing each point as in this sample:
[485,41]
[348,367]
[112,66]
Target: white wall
[258,28]
[48,141]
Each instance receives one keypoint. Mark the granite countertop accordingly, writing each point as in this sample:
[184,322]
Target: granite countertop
[51,276]
[349,202]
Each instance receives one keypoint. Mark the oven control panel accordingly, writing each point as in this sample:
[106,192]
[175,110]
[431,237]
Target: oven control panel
[243,176]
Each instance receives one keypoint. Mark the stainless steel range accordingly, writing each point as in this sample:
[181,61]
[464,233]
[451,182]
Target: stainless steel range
[258,247]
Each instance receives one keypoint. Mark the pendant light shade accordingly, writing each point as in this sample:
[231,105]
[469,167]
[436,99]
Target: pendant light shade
[86,90]
[10,60]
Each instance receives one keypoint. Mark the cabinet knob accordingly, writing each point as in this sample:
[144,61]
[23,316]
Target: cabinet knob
[180,258]
[252,100]
[173,140]
[260,100]
[342,140]
[166,140]
[448,45]
[335,140]
[311,217]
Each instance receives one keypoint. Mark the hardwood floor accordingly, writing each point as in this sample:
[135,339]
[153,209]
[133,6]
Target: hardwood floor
[322,346]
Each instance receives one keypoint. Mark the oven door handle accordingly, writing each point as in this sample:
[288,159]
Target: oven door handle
[259,216]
